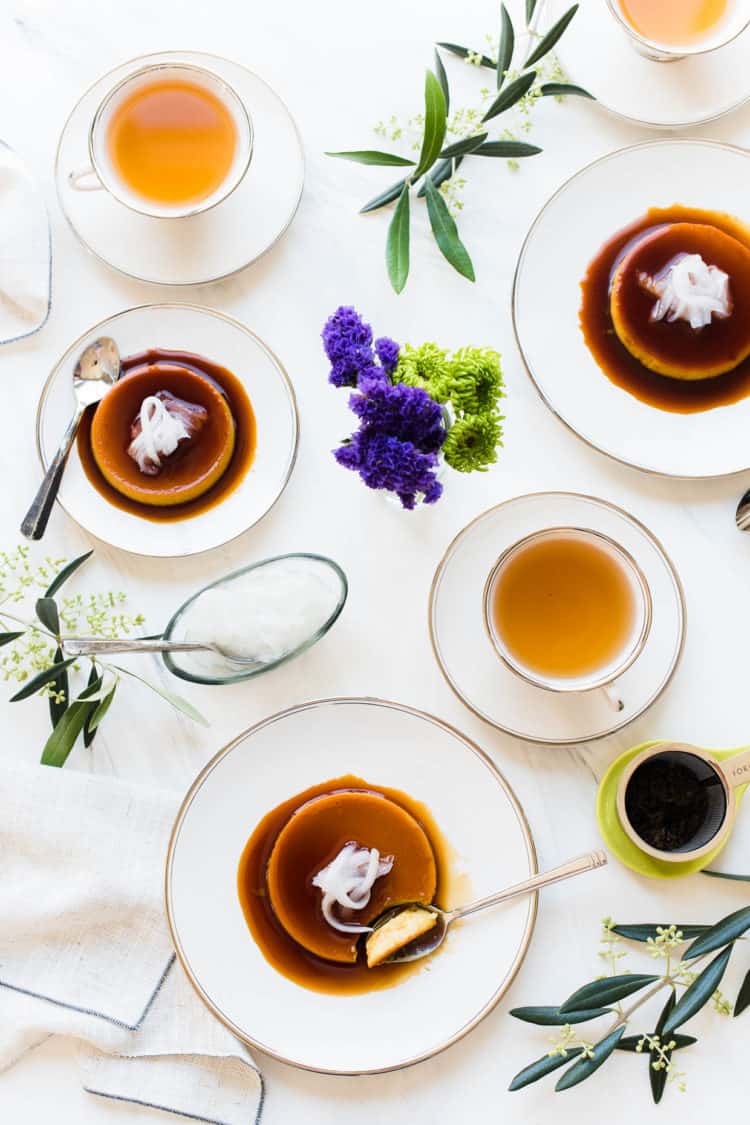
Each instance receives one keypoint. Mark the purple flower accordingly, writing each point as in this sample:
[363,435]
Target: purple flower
[407,413]
[348,344]
[384,461]
[387,352]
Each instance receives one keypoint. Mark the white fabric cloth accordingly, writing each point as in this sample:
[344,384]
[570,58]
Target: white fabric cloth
[85,951]
[25,251]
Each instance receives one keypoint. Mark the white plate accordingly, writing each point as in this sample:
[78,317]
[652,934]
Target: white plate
[611,193]
[205,247]
[596,53]
[226,342]
[386,744]
[470,663]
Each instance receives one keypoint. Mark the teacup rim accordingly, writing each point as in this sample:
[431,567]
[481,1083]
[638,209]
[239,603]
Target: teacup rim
[717,840]
[669,51]
[575,686]
[153,68]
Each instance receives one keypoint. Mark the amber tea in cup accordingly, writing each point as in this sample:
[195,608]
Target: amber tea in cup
[170,140]
[670,29]
[567,609]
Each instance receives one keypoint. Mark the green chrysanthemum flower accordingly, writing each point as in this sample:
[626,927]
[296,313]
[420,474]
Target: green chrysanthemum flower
[472,441]
[475,380]
[427,367]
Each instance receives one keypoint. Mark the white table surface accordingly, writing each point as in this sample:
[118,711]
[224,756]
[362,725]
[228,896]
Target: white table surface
[341,66]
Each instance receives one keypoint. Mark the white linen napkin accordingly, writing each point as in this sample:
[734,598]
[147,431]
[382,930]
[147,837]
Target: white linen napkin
[85,951]
[25,251]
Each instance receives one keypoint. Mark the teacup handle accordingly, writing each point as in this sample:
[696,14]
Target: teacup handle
[613,697]
[80,180]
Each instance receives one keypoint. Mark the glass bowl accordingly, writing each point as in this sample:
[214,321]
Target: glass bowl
[172,659]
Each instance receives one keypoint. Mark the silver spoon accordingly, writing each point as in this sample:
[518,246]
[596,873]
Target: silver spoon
[431,940]
[98,368]
[102,646]
[742,515]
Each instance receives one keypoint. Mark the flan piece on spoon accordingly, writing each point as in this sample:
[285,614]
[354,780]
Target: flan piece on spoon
[680,301]
[349,845]
[163,435]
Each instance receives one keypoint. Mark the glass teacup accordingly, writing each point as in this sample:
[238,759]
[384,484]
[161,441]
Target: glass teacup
[103,174]
[732,23]
[635,632]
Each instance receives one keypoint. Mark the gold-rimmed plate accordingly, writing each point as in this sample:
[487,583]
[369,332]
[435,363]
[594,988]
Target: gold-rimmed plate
[224,341]
[613,192]
[386,744]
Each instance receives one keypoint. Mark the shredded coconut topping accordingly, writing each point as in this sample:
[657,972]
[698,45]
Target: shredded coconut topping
[161,433]
[689,289]
[347,881]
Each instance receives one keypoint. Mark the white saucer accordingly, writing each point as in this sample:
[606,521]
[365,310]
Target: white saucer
[386,744]
[226,342]
[205,247]
[595,53]
[611,193]
[469,661]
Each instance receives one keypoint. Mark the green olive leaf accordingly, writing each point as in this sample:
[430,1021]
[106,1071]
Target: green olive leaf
[383,198]
[608,990]
[464,52]
[46,611]
[699,992]
[397,243]
[548,41]
[511,150]
[435,121]
[32,686]
[543,1066]
[65,574]
[505,48]
[443,80]
[564,90]
[372,156]
[727,875]
[552,1017]
[585,1067]
[743,999]
[728,929]
[176,701]
[58,707]
[649,931]
[8,638]
[463,147]
[102,707]
[510,94]
[530,6]
[446,232]
[63,737]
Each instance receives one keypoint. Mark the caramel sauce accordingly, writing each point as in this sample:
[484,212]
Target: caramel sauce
[322,841]
[674,22]
[623,369]
[175,371]
[563,607]
[172,142]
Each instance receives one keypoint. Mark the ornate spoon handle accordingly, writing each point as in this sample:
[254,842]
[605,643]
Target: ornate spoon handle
[578,866]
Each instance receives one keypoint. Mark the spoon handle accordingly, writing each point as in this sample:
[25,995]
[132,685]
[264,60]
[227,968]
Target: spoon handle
[36,519]
[95,646]
[578,866]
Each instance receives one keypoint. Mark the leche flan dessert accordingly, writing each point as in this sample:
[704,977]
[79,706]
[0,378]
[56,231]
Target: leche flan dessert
[680,300]
[341,860]
[163,435]
[321,873]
